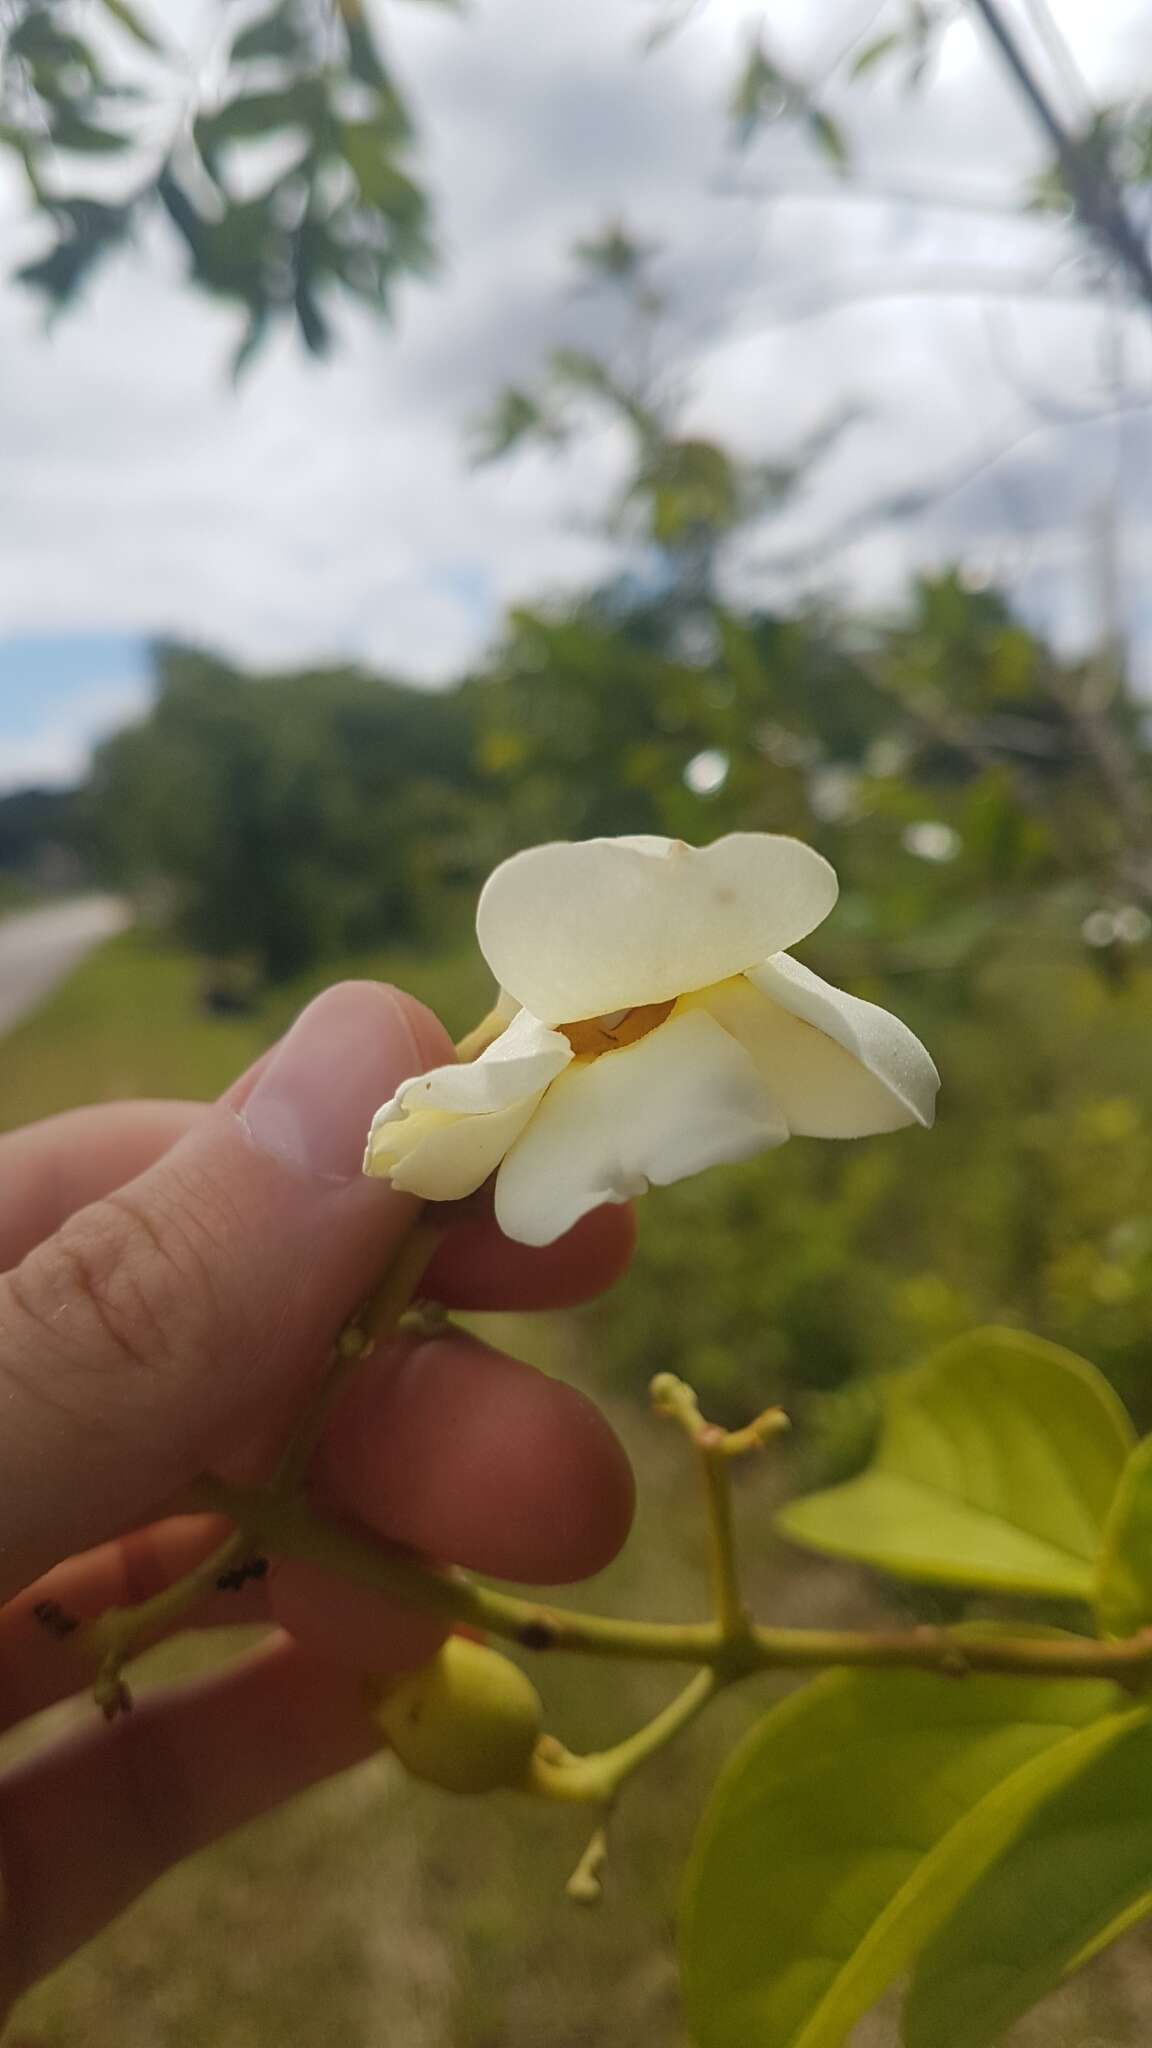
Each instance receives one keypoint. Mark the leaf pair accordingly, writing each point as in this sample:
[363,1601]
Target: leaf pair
[996,1837]
[988,1834]
[997,1467]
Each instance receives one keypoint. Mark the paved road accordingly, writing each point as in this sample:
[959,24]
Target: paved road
[39,947]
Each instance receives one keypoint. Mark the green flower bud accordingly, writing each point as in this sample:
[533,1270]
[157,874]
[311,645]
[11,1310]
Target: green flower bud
[468,1721]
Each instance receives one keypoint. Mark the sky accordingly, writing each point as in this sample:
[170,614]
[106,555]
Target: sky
[330,513]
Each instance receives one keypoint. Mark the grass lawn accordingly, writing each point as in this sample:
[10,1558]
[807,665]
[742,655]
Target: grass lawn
[129,1022]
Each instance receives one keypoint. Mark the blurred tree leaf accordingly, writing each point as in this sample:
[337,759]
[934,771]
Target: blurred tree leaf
[761,91]
[278,34]
[829,137]
[997,1465]
[369,149]
[1124,1588]
[88,230]
[70,131]
[343,215]
[874,53]
[614,254]
[1070,1862]
[134,23]
[515,417]
[827,1855]
[299,105]
[918,38]
[764,92]
[38,40]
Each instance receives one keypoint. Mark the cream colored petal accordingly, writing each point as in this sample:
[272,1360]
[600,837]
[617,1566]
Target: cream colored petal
[838,1067]
[521,1061]
[683,1098]
[443,1133]
[443,1156]
[586,928]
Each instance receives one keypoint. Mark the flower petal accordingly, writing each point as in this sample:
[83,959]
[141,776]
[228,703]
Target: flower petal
[443,1133]
[524,1058]
[581,929]
[683,1098]
[838,1067]
[442,1156]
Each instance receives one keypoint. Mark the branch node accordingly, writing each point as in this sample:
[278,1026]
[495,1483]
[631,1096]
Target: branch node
[585,1885]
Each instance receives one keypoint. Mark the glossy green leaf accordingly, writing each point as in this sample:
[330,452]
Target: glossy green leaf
[998,1461]
[813,1880]
[1075,1863]
[1124,1584]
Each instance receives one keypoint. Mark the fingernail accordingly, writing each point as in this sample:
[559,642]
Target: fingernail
[345,1055]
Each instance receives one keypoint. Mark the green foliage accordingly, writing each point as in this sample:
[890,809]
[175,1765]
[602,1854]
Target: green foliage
[295,817]
[1124,1580]
[1069,1863]
[340,214]
[997,1464]
[684,496]
[832,1846]
[917,40]
[765,92]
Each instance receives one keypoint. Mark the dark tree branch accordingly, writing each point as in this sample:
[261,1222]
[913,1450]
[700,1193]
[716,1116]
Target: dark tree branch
[1098,202]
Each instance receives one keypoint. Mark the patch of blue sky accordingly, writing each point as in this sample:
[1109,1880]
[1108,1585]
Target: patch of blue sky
[42,673]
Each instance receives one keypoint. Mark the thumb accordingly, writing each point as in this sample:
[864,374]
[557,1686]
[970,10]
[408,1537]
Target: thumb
[163,1323]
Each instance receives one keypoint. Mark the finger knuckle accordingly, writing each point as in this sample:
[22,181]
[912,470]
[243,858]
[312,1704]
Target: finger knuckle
[128,1283]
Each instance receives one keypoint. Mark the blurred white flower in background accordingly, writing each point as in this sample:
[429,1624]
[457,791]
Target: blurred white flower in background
[660,1028]
[930,839]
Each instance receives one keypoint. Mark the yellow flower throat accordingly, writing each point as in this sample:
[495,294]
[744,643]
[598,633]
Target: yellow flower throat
[595,1035]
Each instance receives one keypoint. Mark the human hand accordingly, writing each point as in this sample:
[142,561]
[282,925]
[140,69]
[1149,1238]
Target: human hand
[173,1279]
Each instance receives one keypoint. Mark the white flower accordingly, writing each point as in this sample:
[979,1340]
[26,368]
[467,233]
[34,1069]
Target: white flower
[657,1027]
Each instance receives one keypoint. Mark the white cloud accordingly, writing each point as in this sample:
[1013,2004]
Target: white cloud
[331,513]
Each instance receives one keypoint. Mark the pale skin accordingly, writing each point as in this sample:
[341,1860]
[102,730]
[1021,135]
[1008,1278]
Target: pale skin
[170,1292]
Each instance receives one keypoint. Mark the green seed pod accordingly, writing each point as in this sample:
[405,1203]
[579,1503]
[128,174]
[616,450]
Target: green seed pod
[468,1721]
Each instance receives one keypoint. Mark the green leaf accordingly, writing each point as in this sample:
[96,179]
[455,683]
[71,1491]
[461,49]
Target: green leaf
[762,92]
[364,60]
[368,148]
[997,1465]
[70,132]
[875,52]
[37,40]
[1073,1866]
[812,1882]
[273,35]
[828,137]
[251,341]
[261,113]
[1124,1580]
[131,21]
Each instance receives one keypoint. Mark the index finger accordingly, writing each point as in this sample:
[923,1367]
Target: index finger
[51,1169]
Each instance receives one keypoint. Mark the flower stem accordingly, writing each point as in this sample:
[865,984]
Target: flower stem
[557,1774]
[376,1319]
[290,1528]
[715,1447]
[115,1636]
